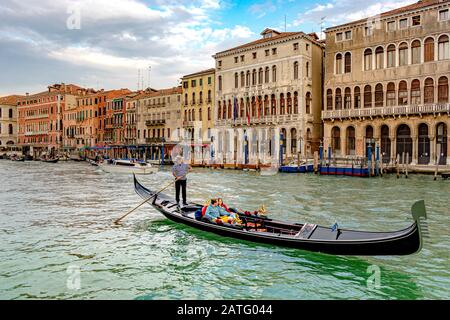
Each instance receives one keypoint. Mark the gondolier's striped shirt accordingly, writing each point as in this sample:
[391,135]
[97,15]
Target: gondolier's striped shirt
[181,170]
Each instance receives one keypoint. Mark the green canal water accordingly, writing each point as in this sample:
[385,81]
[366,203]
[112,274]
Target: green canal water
[58,241]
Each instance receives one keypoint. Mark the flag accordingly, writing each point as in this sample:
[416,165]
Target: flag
[235,109]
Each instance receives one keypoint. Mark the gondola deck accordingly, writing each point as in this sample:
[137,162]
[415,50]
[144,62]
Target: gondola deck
[302,236]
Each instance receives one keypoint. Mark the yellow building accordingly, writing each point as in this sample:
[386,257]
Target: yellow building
[197,108]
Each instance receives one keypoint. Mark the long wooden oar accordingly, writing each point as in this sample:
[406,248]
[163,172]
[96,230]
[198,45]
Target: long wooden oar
[145,201]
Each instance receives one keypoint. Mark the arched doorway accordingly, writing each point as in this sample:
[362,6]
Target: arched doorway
[385,144]
[441,143]
[424,145]
[283,139]
[351,141]
[370,141]
[404,142]
[336,140]
[293,141]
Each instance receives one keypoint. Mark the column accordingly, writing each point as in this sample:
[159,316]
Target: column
[393,148]
[433,147]
[415,148]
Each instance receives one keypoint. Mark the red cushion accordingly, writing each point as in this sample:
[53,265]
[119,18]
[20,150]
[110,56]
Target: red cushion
[204,211]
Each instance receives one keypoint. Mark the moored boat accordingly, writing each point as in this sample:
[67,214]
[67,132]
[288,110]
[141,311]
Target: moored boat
[49,160]
[295,168]
[127,166]
[304,236]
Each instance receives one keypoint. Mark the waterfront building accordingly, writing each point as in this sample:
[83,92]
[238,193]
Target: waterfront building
[40,118]
[86,119]
[8,121]
[267,90]
[158,121]
[387,85]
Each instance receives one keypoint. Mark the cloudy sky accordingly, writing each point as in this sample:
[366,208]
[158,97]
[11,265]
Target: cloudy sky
[103,43]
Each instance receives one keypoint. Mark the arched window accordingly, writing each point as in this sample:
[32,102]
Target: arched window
[429,91]
[10,129]
[224,110]
[209,96]
[307,69]
[209,113]
[186,118]
[241,108]
[357,97]
[247,83]
[200,118]
[220,83]
[402,93]
[403,54]
[273,103]
[347,98]
[385,144]
[282,111]
[193,97]
[379,58]
[351,141]
[201,97]
[336,139]
[230,114]
[242,79]
[423,144]
[10,113]
[260,76]
[429,50]
[329,99]
[254,77]
[415,92]
[379,99]
[185,99]
[293,141]
[338,63]
[443,48]
[289,103]
[443,90]
[390,95]
[308,102]
[368,59]
[267,75]
[295,70]
[348,62]
[415,52]
[391,56]
[236,80]
[274,73]
[367,96]
[338,100]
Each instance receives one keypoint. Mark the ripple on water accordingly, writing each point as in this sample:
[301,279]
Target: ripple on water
[59,216]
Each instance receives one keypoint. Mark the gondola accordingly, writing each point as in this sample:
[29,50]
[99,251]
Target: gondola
[306,236]
[50,160]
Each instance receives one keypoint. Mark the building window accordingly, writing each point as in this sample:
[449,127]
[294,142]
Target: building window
[348,35]
[236,80]
[379,99]
[403,23]
[429,50]
[443,48]
[10,113]
[357,98]
[348,63]
[415,52]
[338,100]
[236,59]
[307,47]
[403,54]
[308,103]
[347,98]
[220,83]
[242,58]
[429,91]
[368,31]
[254,77]
[296,46]
[336,140]
[338,63]
[209,80]
[307,69]
[339,36]
[390,94]
[193,83]
[260,75]
[329,99]
[247,80]
[267,52]
[402,93]
[209,113]
[443,90]
[415,92]
[274,51]
[254,55]
[274,73]
[368,97]
[368,59]
[219,63]
[391,56]
[379,58]
[391,26]
[416,21]
[10,129]
[351,141]
[242,79]
[267,73]
[444,15]
[209,96]
[295,70]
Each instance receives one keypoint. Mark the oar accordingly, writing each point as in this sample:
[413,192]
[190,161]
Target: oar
[145,201]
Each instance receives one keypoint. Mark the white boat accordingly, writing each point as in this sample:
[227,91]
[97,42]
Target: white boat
[127,166]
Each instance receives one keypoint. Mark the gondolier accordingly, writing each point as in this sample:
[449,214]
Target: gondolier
[180,171]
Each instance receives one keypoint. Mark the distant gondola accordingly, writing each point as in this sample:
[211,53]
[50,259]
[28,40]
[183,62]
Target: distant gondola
[50,160]
[302,236]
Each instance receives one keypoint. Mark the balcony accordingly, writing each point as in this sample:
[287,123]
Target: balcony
[155,140]
[150,123]
[34,133]
[266,120]
[187,123]
[387,111]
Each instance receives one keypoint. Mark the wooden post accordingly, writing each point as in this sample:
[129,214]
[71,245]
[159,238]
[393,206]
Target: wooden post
[438,158]
[403,162]
[372,165]
[397,164]
[406,165]
[316,162]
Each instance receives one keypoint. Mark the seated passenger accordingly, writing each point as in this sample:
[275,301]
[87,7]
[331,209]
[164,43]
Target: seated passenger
[212,212]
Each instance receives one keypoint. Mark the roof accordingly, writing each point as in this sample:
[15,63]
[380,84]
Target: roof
[415,6]
[207,71]
[10,100]
[277,36]
[159,93]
